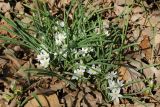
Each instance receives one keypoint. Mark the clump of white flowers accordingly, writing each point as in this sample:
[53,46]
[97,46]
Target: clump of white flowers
[115,86]
[43,58]
[81,69]
[79,72]
[84,51]
[60,38]
[60,43]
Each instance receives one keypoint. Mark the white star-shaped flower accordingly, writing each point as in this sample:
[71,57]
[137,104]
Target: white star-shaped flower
[115,94]
[78,73]
[43,58]
[111,75]
[60,38]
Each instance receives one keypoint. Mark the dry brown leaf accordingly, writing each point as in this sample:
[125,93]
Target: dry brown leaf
[91,100]
[13,102]
[4,23]
[136,17]
[142,21]
[147,31]
[79,98]
[151,72]
[46,101]
[65,2]
[19,8]
[21,71]
[122,2]
[83,104]
[137,10]
[118,9]
[157,95]
[2,62]
[98,96]
[2,104]
[136,35]
[4,7]
[153,20]
[144,105]
[58,85]
[157,38]
[10,55]
[7,15]
[146,47]
[69,100]
[130,74]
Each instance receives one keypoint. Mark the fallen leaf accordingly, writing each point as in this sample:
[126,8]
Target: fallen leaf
[79,98]
[7,15]
[135,17]
[150,72]
[141,21]
[130,75]
[98,96]
[137,9]
[4,7]
[10,55]
[58,85]
[148,31]
[91,100]
[144,105]
[19,8]
[153,20]
[146,47]
[2,62]
[118,9]
[4,23]
[2,104]
[21,70]
[46,101]
[69,100]
[122,2]
[157,38]
[136,34]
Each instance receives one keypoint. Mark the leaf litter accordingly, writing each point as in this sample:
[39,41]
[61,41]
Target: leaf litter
[141,26]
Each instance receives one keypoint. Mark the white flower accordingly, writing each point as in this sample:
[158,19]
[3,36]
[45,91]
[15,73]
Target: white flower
[43,58]
[115,94]
[63,49]
[85,50]
[61,24]
[115,85]
[119,83]
[44,63]
[93,70]
[78,73]
[60,38]
[111,75]
[106,32]
[112,84]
